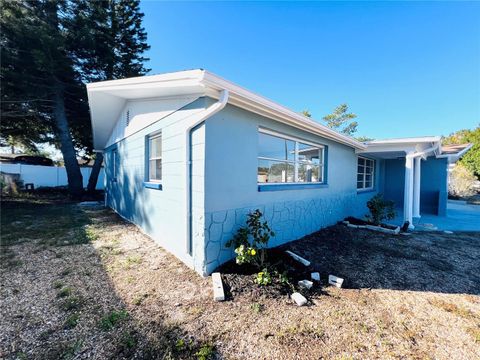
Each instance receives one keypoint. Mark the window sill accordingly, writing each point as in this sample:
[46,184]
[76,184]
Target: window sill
[364,191]
[152,185]
[286,186]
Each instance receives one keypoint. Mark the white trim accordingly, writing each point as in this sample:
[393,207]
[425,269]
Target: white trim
[365,174]
[410,140]
[288,137]
[106,95]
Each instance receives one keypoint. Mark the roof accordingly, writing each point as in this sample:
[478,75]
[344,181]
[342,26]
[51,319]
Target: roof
[399,147]
[454,149]
[107,99]
[454,152]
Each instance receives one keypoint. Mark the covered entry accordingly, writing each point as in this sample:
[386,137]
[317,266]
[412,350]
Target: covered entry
[414,174]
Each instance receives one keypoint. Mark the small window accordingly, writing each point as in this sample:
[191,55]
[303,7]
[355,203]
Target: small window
[365,173]
[285,160]
[155,157]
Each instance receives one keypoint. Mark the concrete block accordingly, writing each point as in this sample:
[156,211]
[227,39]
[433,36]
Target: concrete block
[307,284]
[335,281]
[298,258]
[315,276]
[218,293]
[299,299]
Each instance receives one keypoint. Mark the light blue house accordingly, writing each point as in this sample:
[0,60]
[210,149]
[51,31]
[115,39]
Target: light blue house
[189,154]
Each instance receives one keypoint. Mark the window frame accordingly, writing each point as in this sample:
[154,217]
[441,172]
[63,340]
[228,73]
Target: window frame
[296,162]
[150,137]
[364,174]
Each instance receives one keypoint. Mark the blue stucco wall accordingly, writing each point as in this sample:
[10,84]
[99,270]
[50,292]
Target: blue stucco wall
[231,189]
[161,214]
[433,184]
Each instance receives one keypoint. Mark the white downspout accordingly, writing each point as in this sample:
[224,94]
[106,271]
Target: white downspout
[210,111]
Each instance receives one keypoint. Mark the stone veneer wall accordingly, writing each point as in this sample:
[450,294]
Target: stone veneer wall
[290,221]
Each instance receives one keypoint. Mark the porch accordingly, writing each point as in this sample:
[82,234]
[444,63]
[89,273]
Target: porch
[460,216]
[414,174]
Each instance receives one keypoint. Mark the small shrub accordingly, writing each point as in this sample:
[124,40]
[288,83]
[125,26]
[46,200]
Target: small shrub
[110,320]
[462,182]
[180,345]
[250,242]
[205,352]
[380,209]
[263,278]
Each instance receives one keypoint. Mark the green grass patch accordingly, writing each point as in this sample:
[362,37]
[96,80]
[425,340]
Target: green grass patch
[71,321]
[72,303]
[64,292]
[109,321]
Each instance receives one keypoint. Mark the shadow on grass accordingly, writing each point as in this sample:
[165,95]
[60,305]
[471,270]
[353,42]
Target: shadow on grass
[46,250]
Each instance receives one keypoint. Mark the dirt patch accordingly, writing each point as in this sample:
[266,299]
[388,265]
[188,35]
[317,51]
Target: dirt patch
[115,294]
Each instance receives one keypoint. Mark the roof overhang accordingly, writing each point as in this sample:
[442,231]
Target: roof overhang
[107,99]
[456,154]
[401,147]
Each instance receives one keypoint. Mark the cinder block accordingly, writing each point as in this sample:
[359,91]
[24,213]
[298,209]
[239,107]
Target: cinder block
[299,299]
[218,293]
[335,281]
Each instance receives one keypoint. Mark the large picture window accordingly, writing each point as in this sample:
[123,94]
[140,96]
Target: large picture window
[365,173]
[155,157]
[286,160]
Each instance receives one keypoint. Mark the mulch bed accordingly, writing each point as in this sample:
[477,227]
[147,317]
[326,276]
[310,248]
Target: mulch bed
[240,279]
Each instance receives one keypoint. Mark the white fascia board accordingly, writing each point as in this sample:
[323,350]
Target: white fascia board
[199,82]
[250,101]
[405,141]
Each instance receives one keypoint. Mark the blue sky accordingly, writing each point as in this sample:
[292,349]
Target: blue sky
[405,68]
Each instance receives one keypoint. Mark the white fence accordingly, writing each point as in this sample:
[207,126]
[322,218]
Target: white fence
[48,175]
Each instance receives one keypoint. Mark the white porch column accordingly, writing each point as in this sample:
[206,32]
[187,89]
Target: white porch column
[408,192]
[416,187]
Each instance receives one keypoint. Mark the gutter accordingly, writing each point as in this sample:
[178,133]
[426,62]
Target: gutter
[210,111]
[424,152]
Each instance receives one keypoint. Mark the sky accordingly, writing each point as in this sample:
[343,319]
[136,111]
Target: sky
[405,68]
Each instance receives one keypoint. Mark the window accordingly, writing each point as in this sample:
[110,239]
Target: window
[365,173]
[155,157]
[287,160]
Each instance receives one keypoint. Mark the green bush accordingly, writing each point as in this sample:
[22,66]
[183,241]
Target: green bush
[250,242]
[380,209]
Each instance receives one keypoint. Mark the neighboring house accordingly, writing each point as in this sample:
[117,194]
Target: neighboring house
[189,154]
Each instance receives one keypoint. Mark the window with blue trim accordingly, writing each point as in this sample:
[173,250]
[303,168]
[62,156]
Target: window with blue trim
[282,159]
[365,173]
[155,157]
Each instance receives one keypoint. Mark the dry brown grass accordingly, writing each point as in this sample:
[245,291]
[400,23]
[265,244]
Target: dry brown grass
[127,298]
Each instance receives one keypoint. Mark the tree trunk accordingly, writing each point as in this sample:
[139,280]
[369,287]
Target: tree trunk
[74,175]
[97,166]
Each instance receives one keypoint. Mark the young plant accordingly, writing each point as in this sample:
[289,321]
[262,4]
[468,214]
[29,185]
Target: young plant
[250,242]
[380,209]
[263,278]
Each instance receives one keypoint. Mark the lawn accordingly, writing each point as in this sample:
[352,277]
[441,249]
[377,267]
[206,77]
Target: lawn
[80,282]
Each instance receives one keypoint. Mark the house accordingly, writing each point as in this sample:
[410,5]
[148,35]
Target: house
[189,154]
